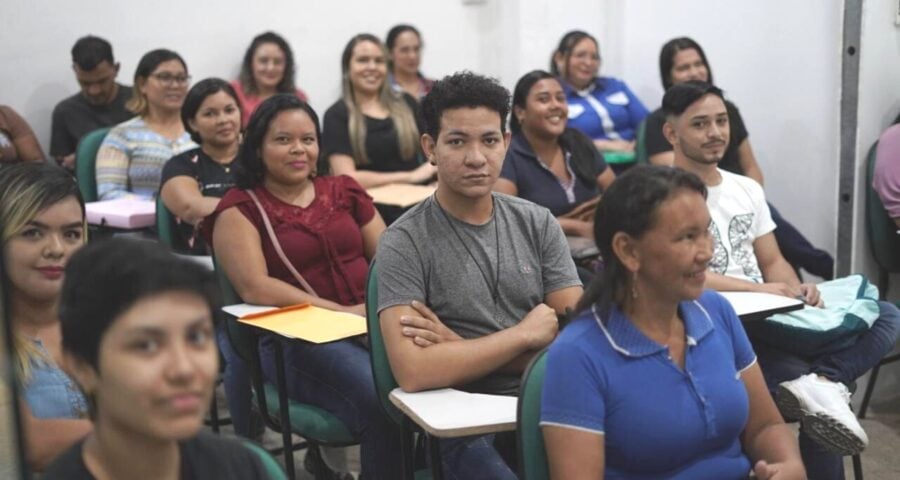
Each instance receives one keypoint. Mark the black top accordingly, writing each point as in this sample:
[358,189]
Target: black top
[212,178]
[656,142]
[206,456]
[74,118]
[382,143]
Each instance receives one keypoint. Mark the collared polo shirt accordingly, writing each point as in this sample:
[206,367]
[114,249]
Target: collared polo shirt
[606,110]
[658,421]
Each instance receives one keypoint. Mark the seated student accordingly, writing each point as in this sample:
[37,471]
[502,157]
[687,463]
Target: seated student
[681,60]
[100,103]
[656,378]
[195,180]
[137,329]
[42,219]
[548,163]
[746,257]
[470,281]
[268,68]
[372,132]
[131,157]
[603,108]
[886,181]
[328,228]
[17,140]
[404,44]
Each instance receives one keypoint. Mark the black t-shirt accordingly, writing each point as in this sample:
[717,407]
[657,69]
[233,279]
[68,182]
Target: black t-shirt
[74,118]
[656,142]
[212,178]
[382,143]
[206,456]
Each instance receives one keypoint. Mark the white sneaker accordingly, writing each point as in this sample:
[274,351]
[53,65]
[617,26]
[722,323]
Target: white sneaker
[823,408]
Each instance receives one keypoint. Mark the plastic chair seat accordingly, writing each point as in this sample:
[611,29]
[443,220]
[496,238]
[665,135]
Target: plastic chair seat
[312,422]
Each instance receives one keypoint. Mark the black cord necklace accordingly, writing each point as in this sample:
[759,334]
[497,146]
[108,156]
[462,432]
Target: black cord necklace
[495,288]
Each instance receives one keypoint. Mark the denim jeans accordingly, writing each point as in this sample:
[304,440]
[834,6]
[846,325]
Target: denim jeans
[236,379]
[337,377]
[473,458]
[798,251]
[844,366]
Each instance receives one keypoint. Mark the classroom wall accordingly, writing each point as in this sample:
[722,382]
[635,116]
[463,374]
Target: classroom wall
[779,62]
[879,104]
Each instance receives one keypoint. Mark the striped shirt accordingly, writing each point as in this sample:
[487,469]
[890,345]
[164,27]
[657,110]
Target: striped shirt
[131,159]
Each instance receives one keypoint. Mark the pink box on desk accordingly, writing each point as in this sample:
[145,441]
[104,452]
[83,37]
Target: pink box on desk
[127,213]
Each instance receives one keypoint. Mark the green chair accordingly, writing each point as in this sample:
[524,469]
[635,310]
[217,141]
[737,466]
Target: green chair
[884,243]
[384,378]
[530,440]
[273,470]
[640,144]
[85,161]
[316,425]
[164,220]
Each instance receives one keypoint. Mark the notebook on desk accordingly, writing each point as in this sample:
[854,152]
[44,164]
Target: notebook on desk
[125,213]
[304,321]
[752,306]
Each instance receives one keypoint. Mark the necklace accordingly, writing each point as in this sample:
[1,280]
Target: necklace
[495,288]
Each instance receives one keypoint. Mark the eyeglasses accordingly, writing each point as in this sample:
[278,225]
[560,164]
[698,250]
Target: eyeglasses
[167,79]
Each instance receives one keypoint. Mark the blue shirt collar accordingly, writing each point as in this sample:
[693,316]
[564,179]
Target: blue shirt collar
[626,339]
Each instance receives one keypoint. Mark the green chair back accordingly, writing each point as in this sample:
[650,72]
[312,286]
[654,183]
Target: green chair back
[164,220]
[532,457]
[884,242]
[85,161]
[381,367]
[273,469]
[640,144]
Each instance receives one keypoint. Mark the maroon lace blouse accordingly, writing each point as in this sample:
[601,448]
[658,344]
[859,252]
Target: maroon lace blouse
[323,240]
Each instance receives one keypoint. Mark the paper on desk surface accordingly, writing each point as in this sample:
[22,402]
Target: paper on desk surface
[313,324]
[401,195]
[751,302]
[448,408]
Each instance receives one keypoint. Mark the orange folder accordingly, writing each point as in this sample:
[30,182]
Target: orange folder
[306,322]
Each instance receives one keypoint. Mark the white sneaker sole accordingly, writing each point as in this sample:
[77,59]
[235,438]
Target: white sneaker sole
[830,433]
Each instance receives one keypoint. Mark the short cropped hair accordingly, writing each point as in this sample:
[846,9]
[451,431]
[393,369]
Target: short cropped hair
[105,279]
[681,96]
[90,51]
[463,89]
[249,168]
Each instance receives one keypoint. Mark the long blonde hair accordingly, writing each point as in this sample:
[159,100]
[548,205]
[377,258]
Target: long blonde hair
[28,189]
[398,109]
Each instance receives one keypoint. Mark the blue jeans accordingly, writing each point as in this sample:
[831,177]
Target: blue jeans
[236,378]
[843,366]
[337,377]
[473,458]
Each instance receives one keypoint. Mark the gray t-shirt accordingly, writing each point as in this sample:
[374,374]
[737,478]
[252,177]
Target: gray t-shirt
[74,118]
[420,257]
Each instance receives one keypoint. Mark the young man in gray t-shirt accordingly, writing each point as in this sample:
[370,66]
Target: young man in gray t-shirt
[470,282]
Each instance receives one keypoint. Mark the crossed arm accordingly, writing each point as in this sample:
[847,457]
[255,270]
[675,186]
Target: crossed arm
[424,354]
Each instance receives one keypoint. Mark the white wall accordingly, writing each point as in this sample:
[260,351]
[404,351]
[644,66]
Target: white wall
[780,64]
[879,103]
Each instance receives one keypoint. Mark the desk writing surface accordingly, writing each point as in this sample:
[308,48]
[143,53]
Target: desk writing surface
[305,322]
[448,412]
[400,194]
[126,213]
[241,309]
[759,305]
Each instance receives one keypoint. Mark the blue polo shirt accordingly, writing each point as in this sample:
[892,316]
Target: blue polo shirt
[537,183]
[606,110]
[658,421]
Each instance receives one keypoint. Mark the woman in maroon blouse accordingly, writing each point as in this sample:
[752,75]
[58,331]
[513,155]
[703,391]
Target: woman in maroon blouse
[328,229]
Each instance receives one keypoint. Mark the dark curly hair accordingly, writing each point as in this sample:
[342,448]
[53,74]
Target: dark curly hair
[463,89]
[249,168]
[630,205]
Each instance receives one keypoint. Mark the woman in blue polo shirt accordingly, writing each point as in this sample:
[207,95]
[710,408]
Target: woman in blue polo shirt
[656,377]
[548,163]
[603,108]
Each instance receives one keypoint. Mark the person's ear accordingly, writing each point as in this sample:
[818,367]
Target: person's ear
[624,247]
[559,59]
[116,68]
[428,144]
[669,131]
[519,112]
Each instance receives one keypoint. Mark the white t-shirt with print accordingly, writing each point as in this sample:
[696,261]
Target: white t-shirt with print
[740,215]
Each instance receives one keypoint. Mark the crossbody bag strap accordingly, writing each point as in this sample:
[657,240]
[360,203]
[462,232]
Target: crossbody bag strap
[287,263]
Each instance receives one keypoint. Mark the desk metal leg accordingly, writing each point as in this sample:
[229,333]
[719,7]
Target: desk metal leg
[284,416]
[437,466]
